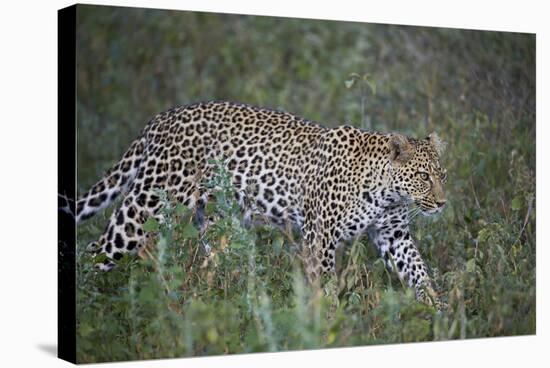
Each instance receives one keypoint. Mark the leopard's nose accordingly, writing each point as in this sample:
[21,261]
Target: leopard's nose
[441,203]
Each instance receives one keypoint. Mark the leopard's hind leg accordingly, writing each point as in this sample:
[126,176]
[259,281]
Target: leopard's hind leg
[124,232]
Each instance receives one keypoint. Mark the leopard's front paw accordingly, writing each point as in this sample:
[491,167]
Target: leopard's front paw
[440,305]
[429,296]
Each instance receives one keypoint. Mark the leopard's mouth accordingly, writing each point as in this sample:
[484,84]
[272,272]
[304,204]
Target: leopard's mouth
[429,209]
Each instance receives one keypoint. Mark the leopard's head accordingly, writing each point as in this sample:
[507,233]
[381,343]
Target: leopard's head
[416,171]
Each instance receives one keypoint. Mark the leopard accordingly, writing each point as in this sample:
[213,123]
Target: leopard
[331,183]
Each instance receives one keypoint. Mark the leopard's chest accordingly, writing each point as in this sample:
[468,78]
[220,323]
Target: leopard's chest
[372,207]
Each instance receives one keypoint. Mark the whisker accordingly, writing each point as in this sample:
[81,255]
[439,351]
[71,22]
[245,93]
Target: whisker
[415,211]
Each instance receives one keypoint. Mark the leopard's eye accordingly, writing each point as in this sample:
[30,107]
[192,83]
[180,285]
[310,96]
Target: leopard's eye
[423,175]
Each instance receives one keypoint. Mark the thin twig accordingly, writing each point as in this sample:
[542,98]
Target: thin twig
[474,191]
[529,208]
[155,262]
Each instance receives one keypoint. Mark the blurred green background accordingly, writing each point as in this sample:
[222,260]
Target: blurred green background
[476,89]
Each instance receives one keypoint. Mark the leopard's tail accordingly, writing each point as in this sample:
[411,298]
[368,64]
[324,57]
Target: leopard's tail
[117,180]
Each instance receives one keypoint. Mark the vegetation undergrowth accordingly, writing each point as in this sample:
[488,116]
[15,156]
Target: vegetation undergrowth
[243,290]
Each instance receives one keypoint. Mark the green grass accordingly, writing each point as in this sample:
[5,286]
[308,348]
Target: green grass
[476,89]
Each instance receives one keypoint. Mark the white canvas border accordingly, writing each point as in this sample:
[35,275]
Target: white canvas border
[29,147]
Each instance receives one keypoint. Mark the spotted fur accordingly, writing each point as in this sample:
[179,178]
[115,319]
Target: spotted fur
[333,184]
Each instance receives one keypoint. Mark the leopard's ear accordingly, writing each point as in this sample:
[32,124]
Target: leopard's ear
[401,149]
[437,143]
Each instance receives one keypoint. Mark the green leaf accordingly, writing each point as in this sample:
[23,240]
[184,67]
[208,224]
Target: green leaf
[516,203]
[190,232]
[277,244]
[85,330]
[181,210]
[210,208]
[151,225]
[330,338]
[212,335]
[372,86]
[100,258]
[220,197]
[354,299]
[147,294]
[236,245]
[483,235]
[471,265]
[350,281]
[211,161]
